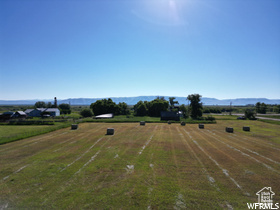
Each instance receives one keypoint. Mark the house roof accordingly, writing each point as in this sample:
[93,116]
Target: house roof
[21,112]
[8,113]
[51,110]
[105,116]
[28,111]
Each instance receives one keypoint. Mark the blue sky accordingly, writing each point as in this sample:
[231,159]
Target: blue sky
[102,48]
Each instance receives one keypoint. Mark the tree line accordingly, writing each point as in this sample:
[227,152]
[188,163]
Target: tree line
[155,107]
[147,108]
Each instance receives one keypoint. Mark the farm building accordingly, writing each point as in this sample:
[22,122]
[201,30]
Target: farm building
[19,114]
[169,116]
[104,116]
[34,112]
[39,112]
[6,116]
[27,111]
[53,112]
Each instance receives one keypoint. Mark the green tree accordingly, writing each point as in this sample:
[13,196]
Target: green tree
[184,110]
[123,109]
[86,113]
[263,108]
[249,114]
[140,109]
[40,104]
[258,107]
[156,106]
[172,102]
[195,106]
[49,105]
[276,109]
[65,108]
[160,98]
[104,106]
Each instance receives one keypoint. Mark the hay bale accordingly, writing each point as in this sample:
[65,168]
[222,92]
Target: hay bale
[74,126]
[110,131]
[229,130]
[142,122]
[246,128]
[201,126]
[183,123]
[169,122]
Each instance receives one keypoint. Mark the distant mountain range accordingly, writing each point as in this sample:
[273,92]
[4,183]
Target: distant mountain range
[134,100]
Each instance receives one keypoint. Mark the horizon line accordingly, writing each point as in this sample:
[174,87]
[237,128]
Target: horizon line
[131,97]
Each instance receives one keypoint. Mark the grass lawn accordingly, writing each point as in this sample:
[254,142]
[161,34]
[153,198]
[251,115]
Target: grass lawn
[224,117]
[270,116]
[9,133]
[156,166]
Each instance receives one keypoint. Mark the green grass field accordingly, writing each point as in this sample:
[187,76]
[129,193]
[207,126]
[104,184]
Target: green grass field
[157,166]
[270,116]
[131,118]
[9,133]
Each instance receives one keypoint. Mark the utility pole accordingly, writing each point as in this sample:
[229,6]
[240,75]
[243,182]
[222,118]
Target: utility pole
[230,108]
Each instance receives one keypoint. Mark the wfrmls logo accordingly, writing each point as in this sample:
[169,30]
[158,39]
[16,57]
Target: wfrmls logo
[265,200]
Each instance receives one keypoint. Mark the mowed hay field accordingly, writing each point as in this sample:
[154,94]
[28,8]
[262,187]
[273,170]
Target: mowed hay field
[157,166]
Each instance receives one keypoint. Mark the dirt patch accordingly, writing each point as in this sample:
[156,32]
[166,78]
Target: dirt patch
[17,171]
[180,202]
[129,169]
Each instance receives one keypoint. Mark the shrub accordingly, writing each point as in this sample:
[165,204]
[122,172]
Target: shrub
[249,114]
[86,113]
[210,118]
